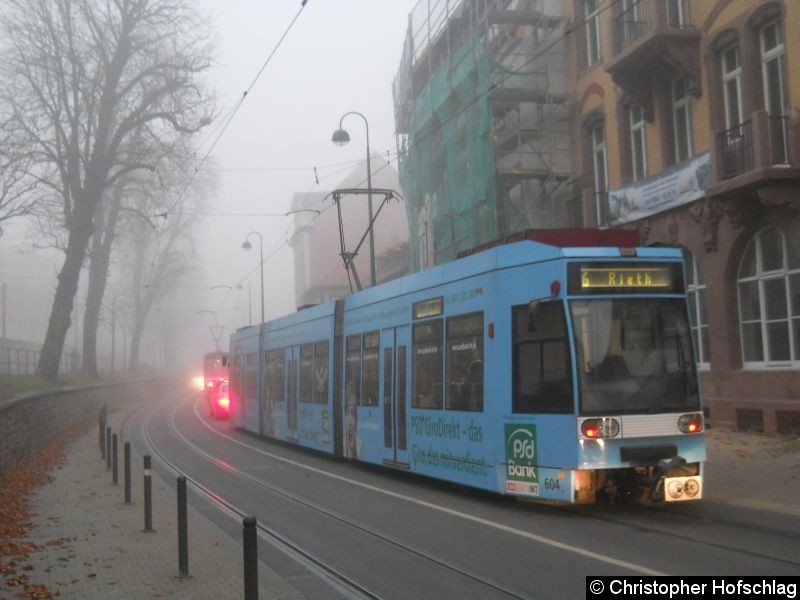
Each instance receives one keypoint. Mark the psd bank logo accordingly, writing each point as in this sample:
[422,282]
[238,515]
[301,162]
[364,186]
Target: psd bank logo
[521,453]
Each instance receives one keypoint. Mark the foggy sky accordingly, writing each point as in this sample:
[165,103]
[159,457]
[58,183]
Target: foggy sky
[340,56]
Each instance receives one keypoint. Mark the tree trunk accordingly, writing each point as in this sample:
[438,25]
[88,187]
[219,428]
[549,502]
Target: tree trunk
[136,340]
[98,275]
[60,316]
[98,278]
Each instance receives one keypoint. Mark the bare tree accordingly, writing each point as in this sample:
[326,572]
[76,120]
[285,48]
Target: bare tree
[82,77]
[16,185]
[160,258]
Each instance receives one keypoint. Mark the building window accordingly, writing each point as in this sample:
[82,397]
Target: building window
[633,23]
[677,13]
[592,12]
[597,134]
[698,315]
[774,78]
[681,120]
[638,143]
[769,301]
[732,86]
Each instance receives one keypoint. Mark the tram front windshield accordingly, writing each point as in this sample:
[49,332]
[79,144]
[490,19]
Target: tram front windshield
[634,355]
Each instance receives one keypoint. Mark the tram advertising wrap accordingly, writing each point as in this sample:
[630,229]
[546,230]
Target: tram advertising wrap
[560,371]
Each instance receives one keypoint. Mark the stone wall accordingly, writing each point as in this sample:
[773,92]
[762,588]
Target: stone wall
[26,422]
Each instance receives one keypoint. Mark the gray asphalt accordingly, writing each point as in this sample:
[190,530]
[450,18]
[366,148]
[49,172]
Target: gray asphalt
[749,523]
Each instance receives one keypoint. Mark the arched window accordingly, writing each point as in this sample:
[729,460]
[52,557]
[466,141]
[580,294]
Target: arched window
[698,316]
[769,301]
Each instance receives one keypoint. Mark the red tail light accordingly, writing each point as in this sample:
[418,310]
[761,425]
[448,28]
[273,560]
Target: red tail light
[692,423]
[590,429]
[604,427]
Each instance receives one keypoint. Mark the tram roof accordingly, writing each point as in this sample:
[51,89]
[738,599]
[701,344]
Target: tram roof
[484,260]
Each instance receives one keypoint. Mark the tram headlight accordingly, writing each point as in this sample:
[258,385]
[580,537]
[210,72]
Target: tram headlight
[675,488]
[604,427]
[691,487]
[691,423]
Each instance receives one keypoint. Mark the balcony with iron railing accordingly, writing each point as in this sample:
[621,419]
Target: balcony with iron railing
[649,35]
[761,155]
[643,18]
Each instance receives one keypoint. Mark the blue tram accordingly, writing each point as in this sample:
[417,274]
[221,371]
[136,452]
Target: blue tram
[556,367]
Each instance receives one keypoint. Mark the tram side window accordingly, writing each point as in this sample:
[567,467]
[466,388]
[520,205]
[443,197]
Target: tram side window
[251,375]
[426,365]
[275,360]
[465,363]
[369,374]
[307,373]
[321,357]
[541,360]
[352,376]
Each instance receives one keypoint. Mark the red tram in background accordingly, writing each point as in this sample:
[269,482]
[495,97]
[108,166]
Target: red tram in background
[215,383]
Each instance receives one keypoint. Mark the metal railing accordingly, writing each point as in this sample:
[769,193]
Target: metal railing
[23,361]
[643,16]
[736,150]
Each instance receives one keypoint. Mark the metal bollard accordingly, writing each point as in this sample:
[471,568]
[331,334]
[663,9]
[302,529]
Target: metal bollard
[127,466]
[250,544]
[101,419]
[148,496]
[114,460]
[183,530]
[108,448]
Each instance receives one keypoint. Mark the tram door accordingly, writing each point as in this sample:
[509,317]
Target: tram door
[394,392]
[292,374]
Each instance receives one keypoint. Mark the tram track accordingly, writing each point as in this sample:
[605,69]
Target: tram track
[577,511]
[354,525]
[340,580]
[324,568]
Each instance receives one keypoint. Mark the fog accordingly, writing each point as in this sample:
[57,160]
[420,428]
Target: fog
[339,56]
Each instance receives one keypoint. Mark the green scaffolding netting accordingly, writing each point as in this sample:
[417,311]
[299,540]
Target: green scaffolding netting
[448,172]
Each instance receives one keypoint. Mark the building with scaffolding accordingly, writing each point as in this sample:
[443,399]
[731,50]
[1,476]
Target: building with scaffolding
[482,116]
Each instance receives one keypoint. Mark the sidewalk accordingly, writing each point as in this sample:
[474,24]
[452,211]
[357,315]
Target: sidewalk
[753,470]
[93,545]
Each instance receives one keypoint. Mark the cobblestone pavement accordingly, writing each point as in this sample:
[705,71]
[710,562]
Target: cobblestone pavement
[753,471]
[94,546]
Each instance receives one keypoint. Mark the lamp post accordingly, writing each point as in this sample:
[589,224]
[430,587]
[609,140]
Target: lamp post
[340,138]
[249,298]
[247,245]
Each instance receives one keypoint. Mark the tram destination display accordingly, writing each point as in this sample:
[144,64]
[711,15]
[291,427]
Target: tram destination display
[627,278]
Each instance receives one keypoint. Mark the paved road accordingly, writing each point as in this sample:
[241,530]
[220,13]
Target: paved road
[407,537]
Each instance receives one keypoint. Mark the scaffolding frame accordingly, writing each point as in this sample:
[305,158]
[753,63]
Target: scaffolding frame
[482,115]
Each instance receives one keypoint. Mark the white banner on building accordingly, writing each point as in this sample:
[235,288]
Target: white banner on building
[672,187]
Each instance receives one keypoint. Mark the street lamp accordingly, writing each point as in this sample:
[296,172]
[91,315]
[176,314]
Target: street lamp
[247,245]
[249,297]
[340,138]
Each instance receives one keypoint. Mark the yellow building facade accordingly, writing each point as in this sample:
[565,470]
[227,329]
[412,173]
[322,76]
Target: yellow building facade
[686,128]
